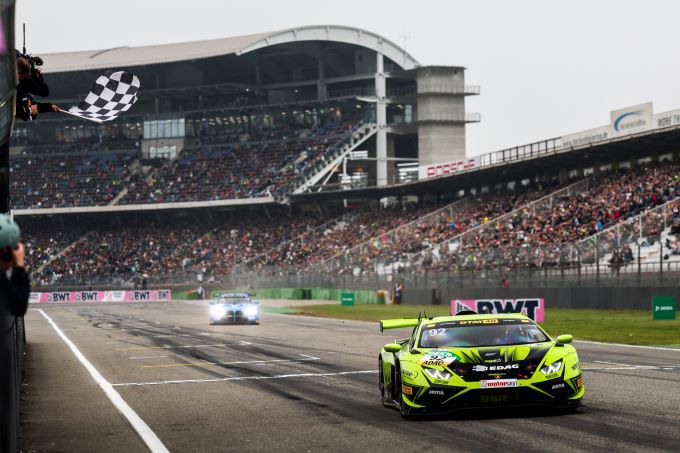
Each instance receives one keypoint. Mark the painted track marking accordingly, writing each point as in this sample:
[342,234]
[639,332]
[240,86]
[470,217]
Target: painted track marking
[179,347]
[150,357]
[621,345]
[245,378]
[264,362]
[626,364]
[148,436]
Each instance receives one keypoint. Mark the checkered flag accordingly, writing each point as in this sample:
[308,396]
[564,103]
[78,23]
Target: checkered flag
[108,98]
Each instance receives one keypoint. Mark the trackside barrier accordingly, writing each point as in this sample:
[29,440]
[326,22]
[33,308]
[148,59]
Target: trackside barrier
[144,295]
[11,370]
[361,296]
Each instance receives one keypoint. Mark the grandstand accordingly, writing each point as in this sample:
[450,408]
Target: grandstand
[273,113]
[331,151]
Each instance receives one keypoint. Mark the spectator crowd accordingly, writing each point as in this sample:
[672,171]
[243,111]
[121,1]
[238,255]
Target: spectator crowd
[502,230]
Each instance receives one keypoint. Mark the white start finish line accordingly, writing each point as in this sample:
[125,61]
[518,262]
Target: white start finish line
[148,436]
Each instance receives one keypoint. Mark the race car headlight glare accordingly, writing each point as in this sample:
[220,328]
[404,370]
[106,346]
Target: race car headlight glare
[217,311]
[552,368]
[250,310]
[438,374]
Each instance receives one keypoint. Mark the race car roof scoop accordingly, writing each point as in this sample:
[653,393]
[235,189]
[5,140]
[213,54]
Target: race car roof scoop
[466,312]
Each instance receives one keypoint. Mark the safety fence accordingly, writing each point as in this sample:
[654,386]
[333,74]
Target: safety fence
[12,340]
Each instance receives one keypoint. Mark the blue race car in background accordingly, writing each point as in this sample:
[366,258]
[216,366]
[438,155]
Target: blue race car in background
[235,308]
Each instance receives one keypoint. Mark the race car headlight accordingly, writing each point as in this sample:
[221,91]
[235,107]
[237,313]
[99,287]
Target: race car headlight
[438,374]
[552,368]
[217,311]
[250,310]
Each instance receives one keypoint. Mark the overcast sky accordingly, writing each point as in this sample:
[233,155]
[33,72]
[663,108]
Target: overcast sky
[546,68]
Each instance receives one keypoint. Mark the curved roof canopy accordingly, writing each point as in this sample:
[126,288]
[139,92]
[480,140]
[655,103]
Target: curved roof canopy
[118,57]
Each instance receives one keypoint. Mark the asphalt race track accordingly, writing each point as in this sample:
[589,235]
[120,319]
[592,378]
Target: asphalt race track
[300,384]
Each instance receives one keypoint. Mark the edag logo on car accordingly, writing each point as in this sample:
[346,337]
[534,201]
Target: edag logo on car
[483,368]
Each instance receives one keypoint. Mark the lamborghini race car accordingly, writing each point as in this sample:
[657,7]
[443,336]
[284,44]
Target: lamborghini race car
[471,360]
[235,308]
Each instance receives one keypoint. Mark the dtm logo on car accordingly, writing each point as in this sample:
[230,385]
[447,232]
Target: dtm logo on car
[482,368]
[479,321]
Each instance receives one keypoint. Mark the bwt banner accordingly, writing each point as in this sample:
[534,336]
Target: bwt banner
[150,295]
[447,168]
[532,308]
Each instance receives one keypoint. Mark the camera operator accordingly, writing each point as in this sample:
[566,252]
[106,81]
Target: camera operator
[15,288]
[31,83]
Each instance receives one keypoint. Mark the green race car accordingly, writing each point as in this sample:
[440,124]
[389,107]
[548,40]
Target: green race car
[471,360]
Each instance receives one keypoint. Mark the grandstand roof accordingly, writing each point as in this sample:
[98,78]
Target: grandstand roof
[653,142]
[168,53]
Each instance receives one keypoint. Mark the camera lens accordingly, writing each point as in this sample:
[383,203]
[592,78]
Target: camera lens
[6,254]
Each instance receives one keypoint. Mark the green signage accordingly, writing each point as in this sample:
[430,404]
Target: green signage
[663,307]
[347,298]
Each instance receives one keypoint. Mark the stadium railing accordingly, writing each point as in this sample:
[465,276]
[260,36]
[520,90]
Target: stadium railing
[384,248]
[640,234]
[12,341]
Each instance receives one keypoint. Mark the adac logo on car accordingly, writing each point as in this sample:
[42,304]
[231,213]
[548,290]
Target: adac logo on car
[482,368]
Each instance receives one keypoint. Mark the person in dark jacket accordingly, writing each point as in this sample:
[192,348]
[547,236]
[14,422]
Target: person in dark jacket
[15,286]
[31,83]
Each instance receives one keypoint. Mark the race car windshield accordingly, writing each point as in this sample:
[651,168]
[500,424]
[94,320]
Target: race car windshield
[233,300]
[463,334]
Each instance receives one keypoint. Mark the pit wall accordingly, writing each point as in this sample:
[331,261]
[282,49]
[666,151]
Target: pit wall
[637,298]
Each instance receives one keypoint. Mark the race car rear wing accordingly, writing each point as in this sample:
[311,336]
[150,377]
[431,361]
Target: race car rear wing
[398,323]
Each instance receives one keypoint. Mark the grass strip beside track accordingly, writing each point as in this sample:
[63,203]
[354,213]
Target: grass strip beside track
[613,326]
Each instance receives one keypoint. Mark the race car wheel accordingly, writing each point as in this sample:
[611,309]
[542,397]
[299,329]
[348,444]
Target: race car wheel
[385,394]
[404,409]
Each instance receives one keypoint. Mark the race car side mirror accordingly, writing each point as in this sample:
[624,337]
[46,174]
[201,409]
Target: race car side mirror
[565,339]
[392,347]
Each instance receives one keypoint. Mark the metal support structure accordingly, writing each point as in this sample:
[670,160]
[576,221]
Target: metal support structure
[258,77]
[321,86]
[381,119]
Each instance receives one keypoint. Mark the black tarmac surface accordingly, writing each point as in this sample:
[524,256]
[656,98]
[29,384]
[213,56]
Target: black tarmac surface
[300,384]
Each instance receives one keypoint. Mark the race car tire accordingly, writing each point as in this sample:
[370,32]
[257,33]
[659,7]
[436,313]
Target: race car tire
[384,395]
[404,409]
